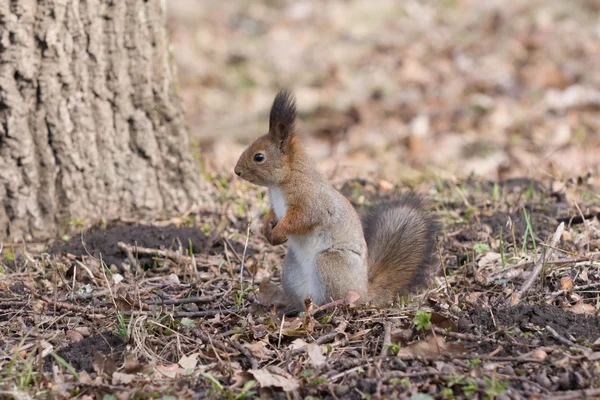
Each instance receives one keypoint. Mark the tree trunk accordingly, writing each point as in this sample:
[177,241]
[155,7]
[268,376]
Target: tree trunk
[90,124]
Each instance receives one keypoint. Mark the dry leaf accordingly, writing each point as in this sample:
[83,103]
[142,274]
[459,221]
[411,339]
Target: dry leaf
[170,370]
[74,336]
[270,294]
[271,376]
[540,354]
[431,346]
[131,364]
[566,283]
[580,308]
[258,349]
[84,330]
[104,364]
[120,378]
[315,355]
[189,362]
[297,344]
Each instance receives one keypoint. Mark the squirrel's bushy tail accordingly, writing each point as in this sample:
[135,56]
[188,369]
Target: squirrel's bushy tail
[400,239]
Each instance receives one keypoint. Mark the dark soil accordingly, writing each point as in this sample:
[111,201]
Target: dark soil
[80,355]
[532,318]
[104,242]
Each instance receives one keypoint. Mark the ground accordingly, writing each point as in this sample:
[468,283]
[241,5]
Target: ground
[488,109]
[171,315]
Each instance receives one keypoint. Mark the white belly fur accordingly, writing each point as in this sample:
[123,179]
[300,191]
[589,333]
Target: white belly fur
[307,249]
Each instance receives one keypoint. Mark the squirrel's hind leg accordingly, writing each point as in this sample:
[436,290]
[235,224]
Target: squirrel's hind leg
[340,272]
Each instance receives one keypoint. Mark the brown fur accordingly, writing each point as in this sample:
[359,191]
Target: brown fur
[327,255]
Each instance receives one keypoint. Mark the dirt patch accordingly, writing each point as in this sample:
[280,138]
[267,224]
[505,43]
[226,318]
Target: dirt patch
[529,317]
[80,355]
[104,241]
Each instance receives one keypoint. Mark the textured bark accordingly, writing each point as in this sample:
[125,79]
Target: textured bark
[90,125]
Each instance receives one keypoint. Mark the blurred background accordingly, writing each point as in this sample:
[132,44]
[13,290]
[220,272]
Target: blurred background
[401,90]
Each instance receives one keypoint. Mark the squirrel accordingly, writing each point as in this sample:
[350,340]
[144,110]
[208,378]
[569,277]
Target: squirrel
[331,251]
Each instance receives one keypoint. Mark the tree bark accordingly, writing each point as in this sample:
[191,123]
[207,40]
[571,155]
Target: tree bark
[90,123]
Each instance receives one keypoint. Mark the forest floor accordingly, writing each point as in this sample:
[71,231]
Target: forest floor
[489,109]
[181,308]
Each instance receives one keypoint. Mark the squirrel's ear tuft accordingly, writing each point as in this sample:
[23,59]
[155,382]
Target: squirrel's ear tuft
[283,118]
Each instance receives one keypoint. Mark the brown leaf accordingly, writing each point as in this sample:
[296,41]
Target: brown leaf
[131,364]
[120,378]
[83,330]
[315,355]
[104,364]
[443,322]
[274,377]
[566,283]
[270,294]
[258,349]
[169,370]
[431,346]
[74,336]
[581,308]
[189,362]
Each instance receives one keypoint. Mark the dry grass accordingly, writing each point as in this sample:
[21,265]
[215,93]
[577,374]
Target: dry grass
[175,321]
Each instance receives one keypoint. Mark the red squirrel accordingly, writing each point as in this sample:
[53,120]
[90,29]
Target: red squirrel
[331,252]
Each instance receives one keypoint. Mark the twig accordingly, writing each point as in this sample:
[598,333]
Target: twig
[188,314]
[566,341]
[246,353]
[576,394]
[187,300]
[244,256]
[280,331]
[516,297]
[387,338]
[576,288]
[155,252]
[464,336]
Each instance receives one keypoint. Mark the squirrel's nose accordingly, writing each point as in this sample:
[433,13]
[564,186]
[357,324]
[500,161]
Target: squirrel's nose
[238,172]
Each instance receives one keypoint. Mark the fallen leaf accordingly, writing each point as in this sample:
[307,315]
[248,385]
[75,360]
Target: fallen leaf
[539,354]
[84,330]
[169,370]
[120,378]
[189,362]
[566,283]
[431,346]
[580,308]
[315,355]
[271,376]
[103,363]
[258,349]
[131,364]
[297,344]
[443,322]
[270,294]
[74,336]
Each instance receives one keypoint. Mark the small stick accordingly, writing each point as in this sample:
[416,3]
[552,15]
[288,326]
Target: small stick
[516,297]
[244,256]
[187,300]
[565,341]
[281,331]
[246,353]
[162,253]
[387,338]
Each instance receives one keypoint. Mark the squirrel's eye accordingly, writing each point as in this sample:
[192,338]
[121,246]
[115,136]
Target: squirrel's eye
[259,157]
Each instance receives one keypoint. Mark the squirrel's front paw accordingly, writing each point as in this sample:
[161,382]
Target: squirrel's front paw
[276,237]
[268,229]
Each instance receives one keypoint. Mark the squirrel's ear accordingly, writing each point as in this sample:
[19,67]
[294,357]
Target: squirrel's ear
[282,119]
